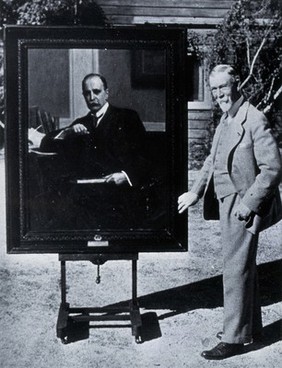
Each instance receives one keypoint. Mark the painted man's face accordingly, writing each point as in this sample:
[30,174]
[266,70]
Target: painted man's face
[94,93]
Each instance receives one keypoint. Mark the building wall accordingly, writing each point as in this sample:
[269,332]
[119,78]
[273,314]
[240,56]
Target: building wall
[165,11]
[198,15]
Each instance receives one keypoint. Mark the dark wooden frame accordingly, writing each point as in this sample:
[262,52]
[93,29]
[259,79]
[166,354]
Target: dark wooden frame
[20,239]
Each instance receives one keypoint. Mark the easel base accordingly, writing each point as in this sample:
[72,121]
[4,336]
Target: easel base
[69,318]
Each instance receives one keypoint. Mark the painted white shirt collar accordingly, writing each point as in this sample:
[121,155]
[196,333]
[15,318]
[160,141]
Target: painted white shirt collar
[102,112]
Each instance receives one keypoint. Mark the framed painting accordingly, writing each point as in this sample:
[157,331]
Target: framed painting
[73,187]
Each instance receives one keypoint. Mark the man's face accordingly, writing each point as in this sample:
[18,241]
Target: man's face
[224,90]
[95,94]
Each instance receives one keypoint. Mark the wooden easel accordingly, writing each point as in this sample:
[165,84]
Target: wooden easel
[84,314]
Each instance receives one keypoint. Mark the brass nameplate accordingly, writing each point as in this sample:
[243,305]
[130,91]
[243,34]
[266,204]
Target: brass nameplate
[97,243]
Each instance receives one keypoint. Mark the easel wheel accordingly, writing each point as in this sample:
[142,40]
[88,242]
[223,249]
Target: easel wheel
[138,339]
[64,340]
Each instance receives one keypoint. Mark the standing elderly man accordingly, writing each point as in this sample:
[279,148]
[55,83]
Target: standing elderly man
[239,181]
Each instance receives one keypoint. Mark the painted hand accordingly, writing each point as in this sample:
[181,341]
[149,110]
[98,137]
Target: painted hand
[79,129]
[118,178]
[75,129]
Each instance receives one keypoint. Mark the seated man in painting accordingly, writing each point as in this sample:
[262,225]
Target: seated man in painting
[102,160]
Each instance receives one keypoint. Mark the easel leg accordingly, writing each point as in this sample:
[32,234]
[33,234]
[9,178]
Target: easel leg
[63,316]
[135,316]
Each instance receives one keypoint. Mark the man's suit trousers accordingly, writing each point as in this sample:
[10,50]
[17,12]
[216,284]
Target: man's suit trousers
[242,310]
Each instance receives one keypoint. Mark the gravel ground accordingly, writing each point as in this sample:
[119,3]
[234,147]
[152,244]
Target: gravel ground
[180,296]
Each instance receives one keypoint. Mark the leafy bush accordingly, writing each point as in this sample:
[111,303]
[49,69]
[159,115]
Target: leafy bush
[61,12]
[249,38]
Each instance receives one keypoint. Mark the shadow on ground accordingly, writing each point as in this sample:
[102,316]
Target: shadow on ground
[206,293]
[271,335]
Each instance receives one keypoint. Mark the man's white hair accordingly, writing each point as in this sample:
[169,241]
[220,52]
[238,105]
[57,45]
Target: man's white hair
[226,68]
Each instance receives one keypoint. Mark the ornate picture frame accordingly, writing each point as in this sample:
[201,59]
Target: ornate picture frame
[46,207]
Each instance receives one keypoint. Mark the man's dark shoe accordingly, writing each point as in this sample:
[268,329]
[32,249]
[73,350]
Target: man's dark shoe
[256,338]
[223,351]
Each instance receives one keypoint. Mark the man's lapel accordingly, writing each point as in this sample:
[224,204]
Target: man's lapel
[217,136]
[238,132]
[238,122]
[106,119]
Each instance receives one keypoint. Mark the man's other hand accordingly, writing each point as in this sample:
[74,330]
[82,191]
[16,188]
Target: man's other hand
[186,200]
[118,178]
[242,212]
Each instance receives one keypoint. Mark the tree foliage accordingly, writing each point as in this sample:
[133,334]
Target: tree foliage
[51,12]
[249,38]
[61,12]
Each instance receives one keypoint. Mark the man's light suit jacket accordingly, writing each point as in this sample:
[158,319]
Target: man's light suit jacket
[254,166]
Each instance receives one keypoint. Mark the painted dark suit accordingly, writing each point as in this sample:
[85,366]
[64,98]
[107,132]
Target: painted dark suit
[116,144]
